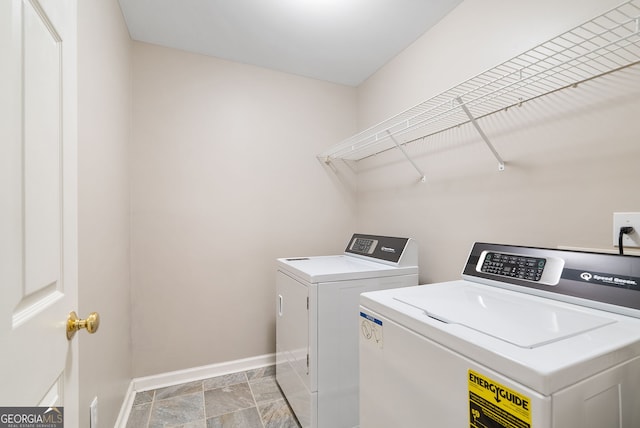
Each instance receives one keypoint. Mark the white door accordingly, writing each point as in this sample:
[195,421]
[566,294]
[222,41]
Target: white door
[38,224]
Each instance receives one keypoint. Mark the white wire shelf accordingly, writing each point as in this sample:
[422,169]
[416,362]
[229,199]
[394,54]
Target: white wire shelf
[604,44]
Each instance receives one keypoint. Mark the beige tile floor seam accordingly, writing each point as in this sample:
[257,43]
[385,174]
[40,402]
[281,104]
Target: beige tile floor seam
[250,399]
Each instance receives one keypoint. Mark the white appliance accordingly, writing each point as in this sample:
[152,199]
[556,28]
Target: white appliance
[317,323]
[530,337]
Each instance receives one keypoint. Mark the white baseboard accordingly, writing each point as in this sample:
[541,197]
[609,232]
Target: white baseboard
[125,409]
[161,380]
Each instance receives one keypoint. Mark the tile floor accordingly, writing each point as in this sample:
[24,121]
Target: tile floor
[250,399]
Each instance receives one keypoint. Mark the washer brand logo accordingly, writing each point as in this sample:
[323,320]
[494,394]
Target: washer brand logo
[586,276]
[609,279]
[388,250]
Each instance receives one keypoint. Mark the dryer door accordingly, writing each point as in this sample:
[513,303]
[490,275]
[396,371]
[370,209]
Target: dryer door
[292,345]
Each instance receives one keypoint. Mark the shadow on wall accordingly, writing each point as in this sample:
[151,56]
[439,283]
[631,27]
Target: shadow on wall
[344,174]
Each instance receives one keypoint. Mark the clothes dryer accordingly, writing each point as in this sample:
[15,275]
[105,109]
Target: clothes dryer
[529,338]
[317,323]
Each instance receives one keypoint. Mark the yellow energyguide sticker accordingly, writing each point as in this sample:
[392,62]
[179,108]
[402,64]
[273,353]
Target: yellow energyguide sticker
[494,405]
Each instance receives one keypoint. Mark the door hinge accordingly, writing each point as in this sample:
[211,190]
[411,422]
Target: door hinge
[307,303]
[307,361]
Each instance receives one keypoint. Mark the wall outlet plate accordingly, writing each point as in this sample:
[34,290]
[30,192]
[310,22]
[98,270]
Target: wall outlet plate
[627,219]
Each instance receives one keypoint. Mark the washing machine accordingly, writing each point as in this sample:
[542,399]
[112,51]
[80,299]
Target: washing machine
[529,337]
[317,323]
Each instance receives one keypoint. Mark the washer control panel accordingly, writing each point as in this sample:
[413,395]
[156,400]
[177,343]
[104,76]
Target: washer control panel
[604,281]
[514,266]
[544,270]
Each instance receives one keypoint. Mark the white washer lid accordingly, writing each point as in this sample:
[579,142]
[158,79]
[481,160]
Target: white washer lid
[504,316]
[545,368]
[339,268]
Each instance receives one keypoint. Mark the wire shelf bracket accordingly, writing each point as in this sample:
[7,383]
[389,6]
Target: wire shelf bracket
[482,134]
[423,177]
[605,44]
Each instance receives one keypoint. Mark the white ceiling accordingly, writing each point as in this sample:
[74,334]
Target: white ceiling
[341,41]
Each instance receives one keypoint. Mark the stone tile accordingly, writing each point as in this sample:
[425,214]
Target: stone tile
[181,389]
[143,397]
[247,418]
[224,380]
[277,414]
[177,411]
[195,424]
[228,399]
[265,389]
[139,416]
[261,372]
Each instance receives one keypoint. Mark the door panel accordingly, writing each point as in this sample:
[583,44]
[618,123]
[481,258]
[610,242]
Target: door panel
[41,150]
[38,220]
[41,170]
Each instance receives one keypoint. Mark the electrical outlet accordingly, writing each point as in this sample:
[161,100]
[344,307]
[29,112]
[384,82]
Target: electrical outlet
[93,413]
[627,219]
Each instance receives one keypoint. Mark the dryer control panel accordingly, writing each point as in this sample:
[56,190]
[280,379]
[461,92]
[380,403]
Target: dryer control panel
[604,281]
[363,245]
[394,250]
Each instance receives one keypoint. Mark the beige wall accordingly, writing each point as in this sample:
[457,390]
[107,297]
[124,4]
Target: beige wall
[224,181]
[104,105]
[572,157]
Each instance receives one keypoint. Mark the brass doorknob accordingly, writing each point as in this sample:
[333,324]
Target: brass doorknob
[74,323]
